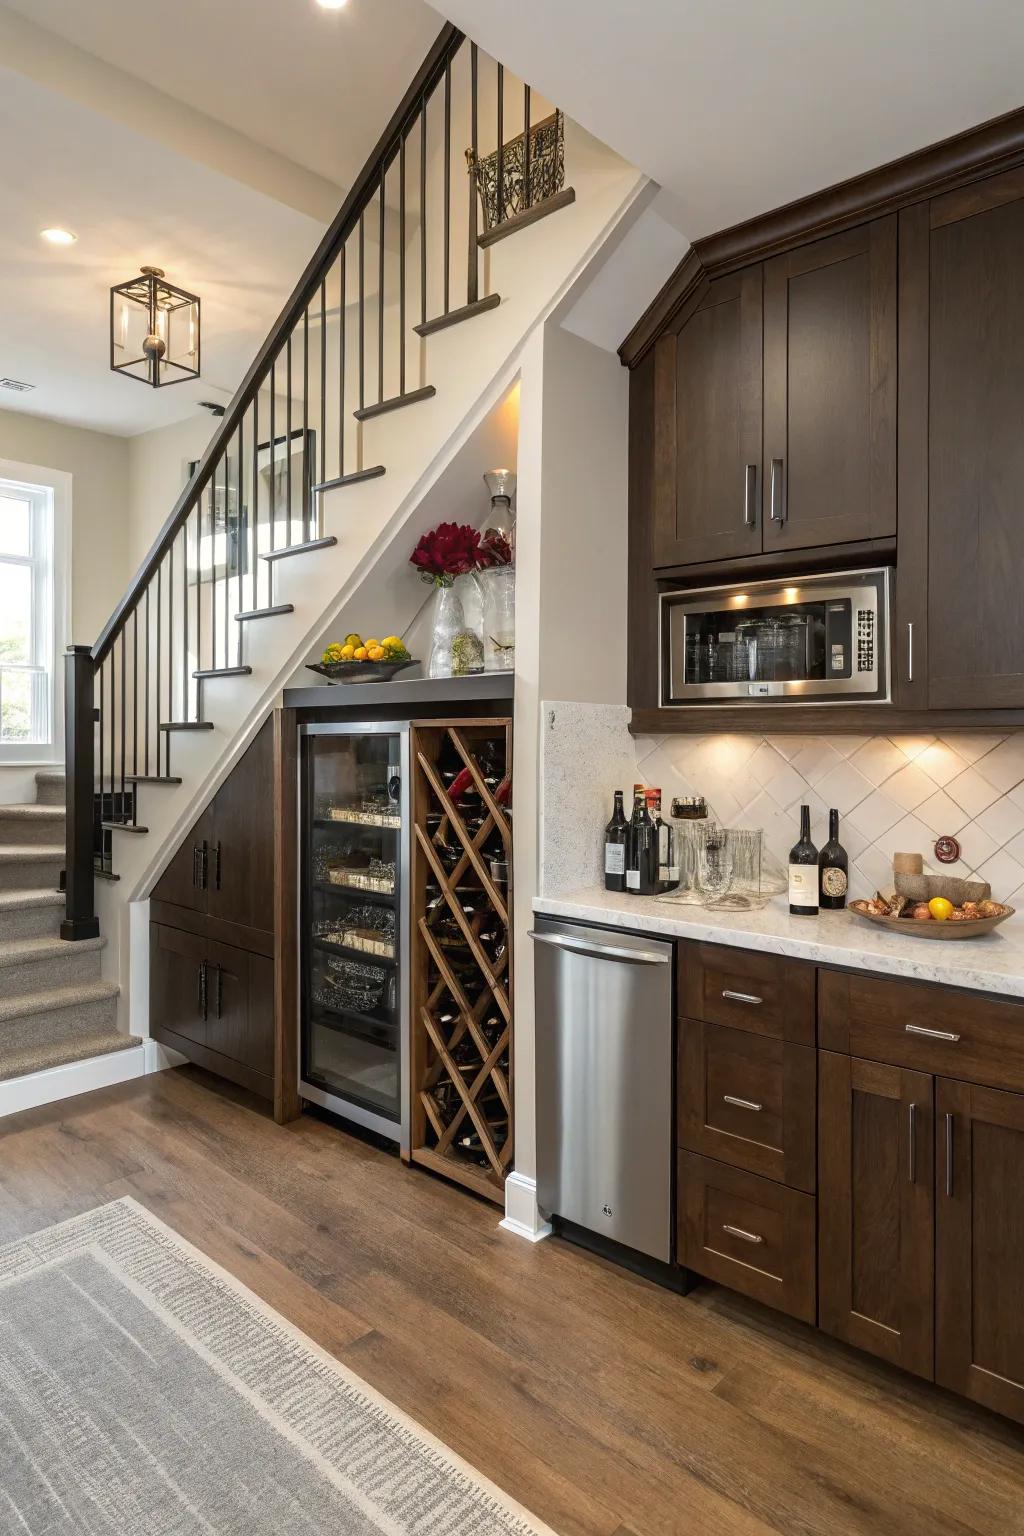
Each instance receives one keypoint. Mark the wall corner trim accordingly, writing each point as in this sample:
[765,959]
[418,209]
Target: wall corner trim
[522,1214]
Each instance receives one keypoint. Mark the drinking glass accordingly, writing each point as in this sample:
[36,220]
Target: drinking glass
[713,872]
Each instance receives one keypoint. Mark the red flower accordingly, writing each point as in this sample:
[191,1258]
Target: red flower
[494,550]
[447,551]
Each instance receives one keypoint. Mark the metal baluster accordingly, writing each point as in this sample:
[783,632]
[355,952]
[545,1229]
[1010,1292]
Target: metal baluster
[159,664]
[527,199]
[102,749]
[113,744]
[184,639]
[273,460]
[323,383]
[170,640]
[401,264]
[288,440]
[423,212]
[362,326]
[243,535]
[199,594]
[135,708]
[343,282]
[380,297]
[254,575]
[499,211]
[124,723]
[447,182]
[305,425]
[473,272]
[146,709]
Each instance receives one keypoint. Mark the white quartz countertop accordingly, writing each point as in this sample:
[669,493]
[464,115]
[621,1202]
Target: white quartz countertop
[993,962]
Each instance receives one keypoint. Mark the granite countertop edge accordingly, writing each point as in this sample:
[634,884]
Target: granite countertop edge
[991,963]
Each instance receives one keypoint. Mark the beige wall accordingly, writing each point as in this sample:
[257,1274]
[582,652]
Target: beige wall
[98,465]
[156,475]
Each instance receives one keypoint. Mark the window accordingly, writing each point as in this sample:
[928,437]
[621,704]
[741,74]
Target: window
[27,635]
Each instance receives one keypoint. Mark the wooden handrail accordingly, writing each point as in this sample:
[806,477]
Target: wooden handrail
[446,45]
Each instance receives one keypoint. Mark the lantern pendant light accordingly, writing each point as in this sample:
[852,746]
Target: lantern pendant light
[154,330]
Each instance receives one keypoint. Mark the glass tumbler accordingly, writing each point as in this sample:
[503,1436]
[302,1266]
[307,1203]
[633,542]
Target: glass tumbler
[713,871]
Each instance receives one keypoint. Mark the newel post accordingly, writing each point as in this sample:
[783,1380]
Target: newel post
[80,920]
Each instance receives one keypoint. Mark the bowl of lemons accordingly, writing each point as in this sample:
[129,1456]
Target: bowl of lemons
[355,660]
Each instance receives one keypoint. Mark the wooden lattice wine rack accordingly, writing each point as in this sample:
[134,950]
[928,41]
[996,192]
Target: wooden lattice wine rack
[461,1060]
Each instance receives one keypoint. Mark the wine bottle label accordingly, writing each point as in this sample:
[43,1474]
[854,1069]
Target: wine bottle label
[833,881]
[614,858]
[632,879]
[803,885]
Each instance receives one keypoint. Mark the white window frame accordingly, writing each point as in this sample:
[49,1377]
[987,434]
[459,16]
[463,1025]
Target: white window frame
[49,494]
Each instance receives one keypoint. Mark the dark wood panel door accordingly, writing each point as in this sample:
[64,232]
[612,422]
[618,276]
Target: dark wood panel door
[708,427]
[830,390]
[240,1007]
[178,983]
[975,446]
[876,1208]
[979,1343]
[185,879]
[241,858]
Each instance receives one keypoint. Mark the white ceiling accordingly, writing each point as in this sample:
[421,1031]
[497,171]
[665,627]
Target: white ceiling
[738,106]
[317,86]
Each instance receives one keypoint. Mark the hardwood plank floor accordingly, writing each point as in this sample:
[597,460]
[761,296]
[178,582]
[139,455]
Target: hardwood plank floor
[606,1405]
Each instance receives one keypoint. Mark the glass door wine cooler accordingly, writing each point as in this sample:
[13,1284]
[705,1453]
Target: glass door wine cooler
[354,923]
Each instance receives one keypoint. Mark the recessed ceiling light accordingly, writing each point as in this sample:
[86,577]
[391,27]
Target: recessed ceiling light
[58,236]
[332,5]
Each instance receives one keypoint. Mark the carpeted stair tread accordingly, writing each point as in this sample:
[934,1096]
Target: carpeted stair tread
[32,812]
[55,999]
[31,853]
[22,951]
[36,896]
[60,1052]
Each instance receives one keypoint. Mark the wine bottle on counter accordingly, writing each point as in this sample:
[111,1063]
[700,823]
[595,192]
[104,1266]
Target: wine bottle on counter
[615,835]
[641,848]
[803,871]
[668,871]
[833,868]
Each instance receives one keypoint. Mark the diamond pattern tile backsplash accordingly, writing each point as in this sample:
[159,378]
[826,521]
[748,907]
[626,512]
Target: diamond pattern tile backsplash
[894,794]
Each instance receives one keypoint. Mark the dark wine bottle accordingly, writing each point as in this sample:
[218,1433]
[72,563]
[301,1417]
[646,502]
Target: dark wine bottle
[668,870]
[641,849]
[833,868]
[615,848]
[803,871]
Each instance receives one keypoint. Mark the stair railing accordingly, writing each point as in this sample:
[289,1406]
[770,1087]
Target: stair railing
[339,354]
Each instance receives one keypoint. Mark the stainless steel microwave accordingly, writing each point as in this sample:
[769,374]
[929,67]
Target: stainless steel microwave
[812,639]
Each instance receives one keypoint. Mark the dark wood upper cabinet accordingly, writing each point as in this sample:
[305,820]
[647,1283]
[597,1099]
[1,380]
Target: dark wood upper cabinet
[961,545]
[183,881]
[707,438]
[240,878]
[876,1208]
[830,390]
[980,1244]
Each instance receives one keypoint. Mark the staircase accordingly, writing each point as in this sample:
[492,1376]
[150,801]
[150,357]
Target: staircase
[54,1006]
[406,328]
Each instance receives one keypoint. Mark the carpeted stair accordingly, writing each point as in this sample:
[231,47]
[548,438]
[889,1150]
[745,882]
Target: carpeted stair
[54,1006]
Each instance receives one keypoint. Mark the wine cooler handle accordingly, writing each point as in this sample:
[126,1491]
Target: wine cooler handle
[750,496]
[778,508]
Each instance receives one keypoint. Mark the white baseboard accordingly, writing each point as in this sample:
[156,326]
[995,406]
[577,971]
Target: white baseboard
[160,1057]
[76,1077]
[522,1214]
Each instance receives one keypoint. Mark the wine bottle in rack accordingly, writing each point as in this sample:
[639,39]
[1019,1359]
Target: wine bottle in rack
[803,871]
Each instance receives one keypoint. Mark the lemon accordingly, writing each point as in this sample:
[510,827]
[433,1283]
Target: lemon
[940,908]
[347,652]
[360,653]
[390,641]
[371,645]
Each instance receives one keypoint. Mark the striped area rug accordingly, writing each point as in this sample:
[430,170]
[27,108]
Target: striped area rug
[145,1392]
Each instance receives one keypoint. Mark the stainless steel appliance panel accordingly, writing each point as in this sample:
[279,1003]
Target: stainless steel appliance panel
[605,1082]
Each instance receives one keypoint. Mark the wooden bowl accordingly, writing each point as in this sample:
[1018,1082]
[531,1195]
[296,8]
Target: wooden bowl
[918,928]
[360,671]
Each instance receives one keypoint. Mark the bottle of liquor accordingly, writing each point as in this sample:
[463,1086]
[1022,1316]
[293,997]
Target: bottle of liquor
[641,848]
[833,868]
[615,848]
[803,871]
[668,864]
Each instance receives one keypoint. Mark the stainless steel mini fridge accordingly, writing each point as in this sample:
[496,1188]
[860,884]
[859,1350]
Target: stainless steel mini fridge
[354,923]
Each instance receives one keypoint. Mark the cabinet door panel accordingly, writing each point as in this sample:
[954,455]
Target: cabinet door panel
[241,862]
[830,390]
[976,456]
[241,1006]
[708,428]
[980,1245]
[876,1208]
[182,880]
[178,1000]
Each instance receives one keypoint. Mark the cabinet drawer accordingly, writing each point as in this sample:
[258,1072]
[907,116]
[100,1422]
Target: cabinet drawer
[927,1028]
[748,1100]
[748,1233]
[763,994]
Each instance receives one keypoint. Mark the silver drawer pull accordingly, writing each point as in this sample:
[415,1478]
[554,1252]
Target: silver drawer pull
[748,1237]
[932,1034]
[727,1098]
[742,997]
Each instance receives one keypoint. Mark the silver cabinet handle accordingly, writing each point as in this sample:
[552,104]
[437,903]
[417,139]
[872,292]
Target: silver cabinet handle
[727,1098]
[910,651]
[599,951]
[931,1034]
[748,1237]
[750,496]
[742,997]
[912,1137]
[949,1154]
[778,509]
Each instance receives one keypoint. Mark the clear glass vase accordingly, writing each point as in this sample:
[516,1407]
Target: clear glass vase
[498,589]
[456,649]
